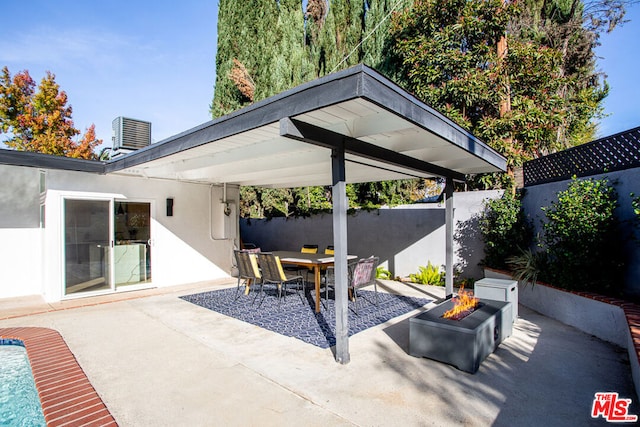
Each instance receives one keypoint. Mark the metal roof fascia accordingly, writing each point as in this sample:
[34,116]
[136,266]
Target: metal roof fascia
[48,161]
[388,95]
[328,90]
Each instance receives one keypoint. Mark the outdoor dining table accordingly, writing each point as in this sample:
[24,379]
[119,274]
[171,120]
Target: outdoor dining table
[316,261]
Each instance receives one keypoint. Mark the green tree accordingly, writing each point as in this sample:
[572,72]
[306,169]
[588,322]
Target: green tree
[235,60]
[260,52]
[372,195]
[582,238]
[447,53]
[291,65]
[573,28]
[378,15]
[334,40]
[505,230]
[40,120]
[310,200]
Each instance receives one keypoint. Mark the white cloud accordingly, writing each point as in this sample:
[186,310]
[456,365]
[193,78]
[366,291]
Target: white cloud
[68,48]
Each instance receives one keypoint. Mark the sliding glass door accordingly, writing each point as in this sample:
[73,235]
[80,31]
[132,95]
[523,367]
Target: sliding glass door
[132,249]
[107,245]
[87,245]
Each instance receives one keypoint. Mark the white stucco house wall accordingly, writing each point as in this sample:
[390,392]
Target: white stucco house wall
[194,244]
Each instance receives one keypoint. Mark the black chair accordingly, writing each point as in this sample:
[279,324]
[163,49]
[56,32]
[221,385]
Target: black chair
[250,247]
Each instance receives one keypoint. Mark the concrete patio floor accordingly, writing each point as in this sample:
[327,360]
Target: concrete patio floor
[157,360]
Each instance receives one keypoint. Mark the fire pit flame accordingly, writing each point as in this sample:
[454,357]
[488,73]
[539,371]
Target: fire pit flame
[464,304]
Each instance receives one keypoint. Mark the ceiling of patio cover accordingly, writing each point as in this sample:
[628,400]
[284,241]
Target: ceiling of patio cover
[386,133]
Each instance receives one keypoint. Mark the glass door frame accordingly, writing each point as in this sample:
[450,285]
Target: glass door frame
[147,283]
[112,199]
[63,217]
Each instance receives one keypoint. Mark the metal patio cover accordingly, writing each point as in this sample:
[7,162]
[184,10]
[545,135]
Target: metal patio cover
[287,140]
[351,126]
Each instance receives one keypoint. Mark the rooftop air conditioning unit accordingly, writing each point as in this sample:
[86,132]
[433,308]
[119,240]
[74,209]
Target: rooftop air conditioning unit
[130,134]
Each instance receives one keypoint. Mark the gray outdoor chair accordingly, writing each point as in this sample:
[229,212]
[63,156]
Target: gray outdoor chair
[273,273]
[248,271]
[360,274]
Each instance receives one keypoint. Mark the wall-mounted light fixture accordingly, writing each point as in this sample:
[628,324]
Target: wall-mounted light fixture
[169,206]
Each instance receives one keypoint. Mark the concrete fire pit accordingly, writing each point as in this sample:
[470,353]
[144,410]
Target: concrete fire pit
[463,343]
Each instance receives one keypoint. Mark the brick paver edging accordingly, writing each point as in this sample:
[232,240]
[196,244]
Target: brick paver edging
[67,396]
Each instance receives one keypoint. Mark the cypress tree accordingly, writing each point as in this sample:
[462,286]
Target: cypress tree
[261,52]
[375,39]
[290,65]
[247,37]
[268,46]
[334,40]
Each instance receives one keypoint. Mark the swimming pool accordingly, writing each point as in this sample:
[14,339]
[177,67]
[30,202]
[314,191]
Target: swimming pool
[66,395]
[19,401]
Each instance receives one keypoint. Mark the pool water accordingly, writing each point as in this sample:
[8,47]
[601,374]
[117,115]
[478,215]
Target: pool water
[19,401]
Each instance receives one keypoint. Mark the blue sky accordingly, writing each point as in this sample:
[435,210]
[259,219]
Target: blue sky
[155,60]
[619,59]
[149,60]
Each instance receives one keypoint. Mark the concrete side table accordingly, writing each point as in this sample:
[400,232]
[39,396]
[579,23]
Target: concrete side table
[498,290]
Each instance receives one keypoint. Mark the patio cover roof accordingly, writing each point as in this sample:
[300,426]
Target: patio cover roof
[286,140]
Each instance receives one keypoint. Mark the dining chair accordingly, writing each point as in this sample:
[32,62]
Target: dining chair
[273,273]
[323,270]
[306,249]
[251,248]
[248,271]
[362,274]
[309,249]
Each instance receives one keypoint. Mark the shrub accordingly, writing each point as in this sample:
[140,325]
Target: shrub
[383,274]
[527,266]
[581,238]
[504,229]
[635,222]
[429,275]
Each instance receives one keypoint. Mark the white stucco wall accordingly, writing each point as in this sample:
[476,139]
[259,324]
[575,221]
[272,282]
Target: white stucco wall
[20,233]
[185,247]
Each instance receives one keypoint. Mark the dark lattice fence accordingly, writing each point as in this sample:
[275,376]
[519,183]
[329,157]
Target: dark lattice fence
[616,152]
